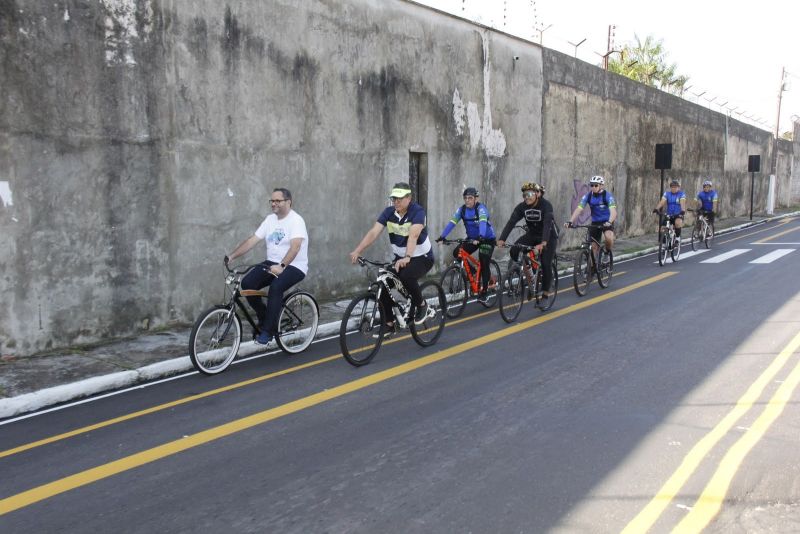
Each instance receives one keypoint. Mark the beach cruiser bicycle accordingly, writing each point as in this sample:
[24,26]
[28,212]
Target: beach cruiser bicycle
[462,280]
[702,231]
[217,333]
[668,242]
[587,263]
[523,281]
[364,327]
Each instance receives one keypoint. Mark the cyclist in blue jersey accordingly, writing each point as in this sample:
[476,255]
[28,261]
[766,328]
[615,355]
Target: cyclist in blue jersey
[413,253]
[476,222]
[604,211]
[675,202]
[707,201]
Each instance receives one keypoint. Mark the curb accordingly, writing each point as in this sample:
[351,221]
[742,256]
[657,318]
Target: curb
[29,402]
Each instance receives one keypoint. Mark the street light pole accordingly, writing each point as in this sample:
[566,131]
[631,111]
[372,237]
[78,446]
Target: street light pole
[777,125]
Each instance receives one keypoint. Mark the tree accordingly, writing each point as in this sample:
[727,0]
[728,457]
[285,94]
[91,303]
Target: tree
[646,62]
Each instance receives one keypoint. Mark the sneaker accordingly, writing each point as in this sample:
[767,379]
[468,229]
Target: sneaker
[263,338]
[389,332]
[483,296]
[421,314]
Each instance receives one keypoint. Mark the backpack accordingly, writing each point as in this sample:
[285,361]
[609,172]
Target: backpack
[464,211]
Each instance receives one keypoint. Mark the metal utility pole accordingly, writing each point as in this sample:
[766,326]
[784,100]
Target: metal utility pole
[610,45]
[774,170]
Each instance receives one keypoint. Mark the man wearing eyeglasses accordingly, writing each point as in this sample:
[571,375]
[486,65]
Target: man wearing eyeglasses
[284,232]
[604,212]
[541,232]
[413,253]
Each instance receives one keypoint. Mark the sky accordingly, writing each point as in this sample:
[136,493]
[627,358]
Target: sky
[732,52]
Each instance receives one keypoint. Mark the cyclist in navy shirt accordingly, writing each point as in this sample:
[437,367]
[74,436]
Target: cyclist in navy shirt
[413,254]
[476,222]
[675,202]
[604,211]
[707,201]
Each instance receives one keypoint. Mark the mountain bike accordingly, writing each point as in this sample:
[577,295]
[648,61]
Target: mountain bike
[217,333]
[587,263]
[524,278]
[702,231]
[668,242]
[462,279]
[364,325]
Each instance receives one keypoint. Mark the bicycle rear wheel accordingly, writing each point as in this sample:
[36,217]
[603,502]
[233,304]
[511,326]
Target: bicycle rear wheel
[542,302]
[605,267]
[581,272]
[676,249]
[215,340]
[512,294]
[663,246]
[431,328]
[362,330]
[495,285]
[297,323]
[454,284]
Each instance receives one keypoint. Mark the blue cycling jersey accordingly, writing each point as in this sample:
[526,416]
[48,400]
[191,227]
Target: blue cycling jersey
[674,202]
[707,198]
[476,222]
[600,205]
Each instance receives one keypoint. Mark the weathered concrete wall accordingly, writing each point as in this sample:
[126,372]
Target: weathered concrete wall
[140,139]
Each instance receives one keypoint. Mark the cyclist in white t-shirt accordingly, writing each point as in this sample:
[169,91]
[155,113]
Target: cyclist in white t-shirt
[284,232]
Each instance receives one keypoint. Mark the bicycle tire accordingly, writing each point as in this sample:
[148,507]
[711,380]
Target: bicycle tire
[543,303]
[362,330]
[454,284]
[675,252]
[709,231]
[697,238]
[215,339]
[297,322]
[605,267]
[428,332]
[495,284]
[663,247]
[512,296]
[581,272]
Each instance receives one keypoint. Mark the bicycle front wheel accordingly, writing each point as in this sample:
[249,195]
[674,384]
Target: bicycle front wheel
[454,284]
[581,272]
[428,332]
[605,267]
[545,303]
[298,322]
[709,233]
[362,330]
[697,237]
[215,340]
[512,294]
[495,285]
[676,249]
[663,246]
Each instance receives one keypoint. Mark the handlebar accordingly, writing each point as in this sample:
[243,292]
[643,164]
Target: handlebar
[362,261]
[593,225]
[459,241]
[241,269]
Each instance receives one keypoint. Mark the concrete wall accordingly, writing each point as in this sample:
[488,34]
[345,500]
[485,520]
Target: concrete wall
[140,139]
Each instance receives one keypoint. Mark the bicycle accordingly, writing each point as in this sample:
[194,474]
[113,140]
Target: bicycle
[526,273]
[702,231]
[668,242]
[462,279]
[217,333]
[364,325]
[587,263]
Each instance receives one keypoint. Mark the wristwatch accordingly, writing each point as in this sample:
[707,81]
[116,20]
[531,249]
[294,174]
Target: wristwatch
[283,265]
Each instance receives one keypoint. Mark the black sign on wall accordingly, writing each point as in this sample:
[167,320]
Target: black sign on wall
[753,163]
[664,156]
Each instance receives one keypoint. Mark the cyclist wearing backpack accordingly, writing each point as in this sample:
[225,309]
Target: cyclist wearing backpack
[707,201]
[604,211]
[479,229]
[541,230]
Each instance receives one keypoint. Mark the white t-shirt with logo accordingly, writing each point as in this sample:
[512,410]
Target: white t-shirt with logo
[278,234]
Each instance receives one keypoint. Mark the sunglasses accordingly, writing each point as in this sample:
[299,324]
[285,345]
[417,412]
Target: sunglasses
[276,201]
[395,199]
[528,194]
[594,185]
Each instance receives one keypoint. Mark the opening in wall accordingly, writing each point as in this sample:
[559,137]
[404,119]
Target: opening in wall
[418,177]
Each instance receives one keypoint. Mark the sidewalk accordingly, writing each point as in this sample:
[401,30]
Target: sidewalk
[34,382]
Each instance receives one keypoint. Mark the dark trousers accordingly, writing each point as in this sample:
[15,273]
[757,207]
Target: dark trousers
[258,277]
[485,251]
[417,267]
[546,256]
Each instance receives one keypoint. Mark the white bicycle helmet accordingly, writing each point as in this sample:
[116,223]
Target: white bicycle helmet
[597,180]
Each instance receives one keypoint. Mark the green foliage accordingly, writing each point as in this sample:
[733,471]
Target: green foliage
[646,62]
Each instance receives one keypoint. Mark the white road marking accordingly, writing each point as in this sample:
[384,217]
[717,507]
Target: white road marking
[774,255]
[726,256]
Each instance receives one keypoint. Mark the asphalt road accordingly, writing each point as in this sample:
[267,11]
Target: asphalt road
[657,403]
